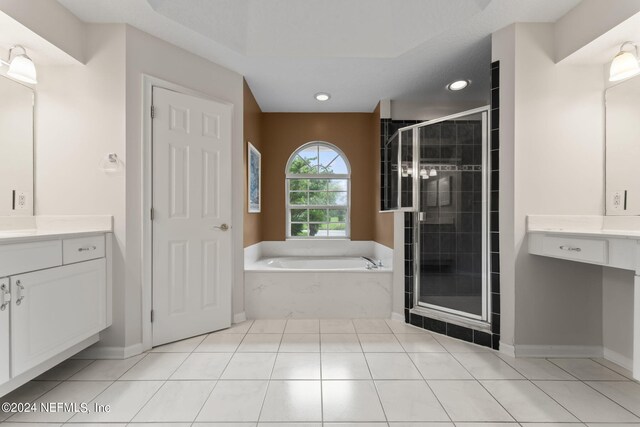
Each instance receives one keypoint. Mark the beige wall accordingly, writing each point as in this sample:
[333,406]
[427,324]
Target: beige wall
[283,133]
[252,118]
[551,161]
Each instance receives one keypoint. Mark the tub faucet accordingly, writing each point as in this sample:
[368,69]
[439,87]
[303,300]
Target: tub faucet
[371,264]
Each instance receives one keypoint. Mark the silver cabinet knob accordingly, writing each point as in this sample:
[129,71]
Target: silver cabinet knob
[223,227]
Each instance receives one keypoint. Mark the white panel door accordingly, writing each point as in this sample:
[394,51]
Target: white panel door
[54,309]
[192,216]
[5,292]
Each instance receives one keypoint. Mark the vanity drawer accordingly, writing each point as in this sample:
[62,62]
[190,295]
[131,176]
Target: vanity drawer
[586,250]
[82,249]
[19,258]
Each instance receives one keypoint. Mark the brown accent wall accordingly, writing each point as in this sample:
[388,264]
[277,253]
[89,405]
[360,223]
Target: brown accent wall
[353,133]
[382,221]
[252,117]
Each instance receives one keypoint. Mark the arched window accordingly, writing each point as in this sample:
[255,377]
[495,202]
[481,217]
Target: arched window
[318,192]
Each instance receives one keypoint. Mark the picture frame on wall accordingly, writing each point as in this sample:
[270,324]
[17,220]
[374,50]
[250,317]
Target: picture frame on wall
[254,181]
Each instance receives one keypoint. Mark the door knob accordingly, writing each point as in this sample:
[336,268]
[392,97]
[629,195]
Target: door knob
[223,227]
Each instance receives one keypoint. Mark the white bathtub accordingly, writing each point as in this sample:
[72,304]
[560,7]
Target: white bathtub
[316,287]
[314,263]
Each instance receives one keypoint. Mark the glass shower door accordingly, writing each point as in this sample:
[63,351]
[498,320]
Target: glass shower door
[451,222]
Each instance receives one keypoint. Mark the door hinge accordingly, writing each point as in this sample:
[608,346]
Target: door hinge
[153,112]
[151,316]
[152,214]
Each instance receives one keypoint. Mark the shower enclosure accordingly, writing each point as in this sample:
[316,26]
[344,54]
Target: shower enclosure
[442,177]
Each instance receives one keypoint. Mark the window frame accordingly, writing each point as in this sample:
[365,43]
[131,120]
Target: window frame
[289,176]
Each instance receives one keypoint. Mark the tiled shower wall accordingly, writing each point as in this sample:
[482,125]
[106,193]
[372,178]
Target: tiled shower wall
[388,127]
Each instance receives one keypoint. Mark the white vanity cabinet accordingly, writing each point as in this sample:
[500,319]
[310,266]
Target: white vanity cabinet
[55,309]
[4,330]
[587,239]
[57,299]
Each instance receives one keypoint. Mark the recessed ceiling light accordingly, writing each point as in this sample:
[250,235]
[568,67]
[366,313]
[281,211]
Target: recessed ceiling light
[458,85]
[322,96]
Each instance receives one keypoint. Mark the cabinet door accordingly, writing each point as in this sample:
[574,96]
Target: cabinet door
[54,309]
[4,330]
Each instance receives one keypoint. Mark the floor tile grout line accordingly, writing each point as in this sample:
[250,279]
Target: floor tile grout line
[584,382]
[546,359]
[375,387]
[321,385]
[167,379]
[550,360]
[221,373]
[482,385]
[629,378]
[429,386]
[555,400]
[266,392]
[617,403]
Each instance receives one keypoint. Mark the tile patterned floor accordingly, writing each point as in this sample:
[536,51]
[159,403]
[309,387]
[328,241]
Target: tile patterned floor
[347,373]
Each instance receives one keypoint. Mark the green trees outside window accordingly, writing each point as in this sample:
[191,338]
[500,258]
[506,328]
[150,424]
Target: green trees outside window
[318,192]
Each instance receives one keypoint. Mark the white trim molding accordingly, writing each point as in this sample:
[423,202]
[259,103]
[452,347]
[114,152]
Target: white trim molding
[239,317]
[397,317]
[576,351]
[102,352]
[618,359]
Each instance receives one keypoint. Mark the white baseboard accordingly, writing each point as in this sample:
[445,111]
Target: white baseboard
[397,316]
[618,359]
[239,317]
[577,351]
[507,349]
[102,352]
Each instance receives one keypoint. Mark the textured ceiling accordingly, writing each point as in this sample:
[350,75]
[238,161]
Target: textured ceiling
[360,51]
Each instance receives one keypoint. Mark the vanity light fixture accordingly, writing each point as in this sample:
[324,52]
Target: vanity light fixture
[625,64]
[458,85]
[322,96]
[21,67]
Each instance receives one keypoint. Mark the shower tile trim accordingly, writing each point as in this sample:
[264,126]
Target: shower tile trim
[456,331]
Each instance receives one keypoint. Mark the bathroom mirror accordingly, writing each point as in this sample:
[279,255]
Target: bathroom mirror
[16,148]
[623,148]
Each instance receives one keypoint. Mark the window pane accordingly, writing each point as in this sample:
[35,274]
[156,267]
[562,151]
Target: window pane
[327,158]
[337,185]
[338,215]
[298,230]
[303,166]
[310,155]
[318,198]
[298,184]
[298,198]
[318,184]
[337,198]
[318,215]
[339,166]
[299,215]
[314,230]
[337,230]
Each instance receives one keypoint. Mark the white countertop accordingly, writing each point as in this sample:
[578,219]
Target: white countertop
[585,225]
[36,228]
